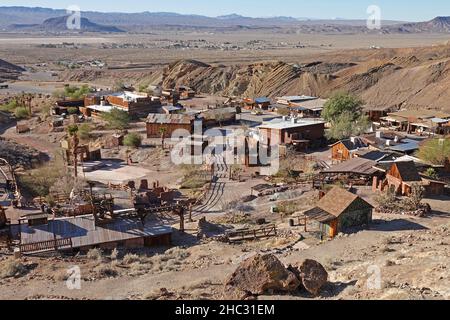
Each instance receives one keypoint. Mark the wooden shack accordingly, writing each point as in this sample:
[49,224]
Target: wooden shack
[340,210]
[345,149]
[168,124]
[401,176]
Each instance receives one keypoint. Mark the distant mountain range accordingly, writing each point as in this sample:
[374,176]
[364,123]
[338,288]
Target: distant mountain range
[59,24]
[40,19]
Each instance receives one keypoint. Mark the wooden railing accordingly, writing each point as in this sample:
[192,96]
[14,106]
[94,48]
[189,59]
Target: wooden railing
[252,234]
[46,246]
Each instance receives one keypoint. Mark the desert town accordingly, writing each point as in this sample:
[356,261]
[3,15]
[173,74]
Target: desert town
[163,190]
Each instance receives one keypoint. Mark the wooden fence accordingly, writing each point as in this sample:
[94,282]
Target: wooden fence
[46,246]
[252,234]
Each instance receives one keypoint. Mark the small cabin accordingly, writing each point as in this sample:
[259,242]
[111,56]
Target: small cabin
[340,210]
[345,149]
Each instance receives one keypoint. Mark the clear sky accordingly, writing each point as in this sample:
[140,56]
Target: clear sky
[412,10]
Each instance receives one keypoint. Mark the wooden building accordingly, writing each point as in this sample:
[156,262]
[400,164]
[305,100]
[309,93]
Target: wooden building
[168,124]
[136,105]
[401,176]
[84,232]
[340,210]
[346,149]
[292,131]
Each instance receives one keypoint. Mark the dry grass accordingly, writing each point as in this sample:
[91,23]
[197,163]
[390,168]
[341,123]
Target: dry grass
[95,254]
[107,270]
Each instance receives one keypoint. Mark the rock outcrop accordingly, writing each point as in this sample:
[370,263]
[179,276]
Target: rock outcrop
[260,274]
[313,276]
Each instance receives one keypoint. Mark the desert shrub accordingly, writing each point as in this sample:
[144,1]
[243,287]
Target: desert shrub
[10,106]
[106,271]
[45,112]
[288,207]
[72,129]
[432,173]
[74,92]
[38,182]
[94,254]
[114,254]
[12,268]
[131,258]
[133,140]
[22,113]
[414,201]
[386,200]
[194,177]
[72,110]
[117,119]
[84,131]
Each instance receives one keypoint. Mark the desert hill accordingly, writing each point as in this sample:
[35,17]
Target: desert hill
[411,78]
[9,71]
[59,24]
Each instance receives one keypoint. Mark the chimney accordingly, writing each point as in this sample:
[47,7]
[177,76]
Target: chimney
[379,134]
[353,140]
[284,118]
[388,142]
[294,120]
[396,139]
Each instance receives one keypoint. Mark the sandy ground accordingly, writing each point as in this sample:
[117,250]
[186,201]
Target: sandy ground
[410,254]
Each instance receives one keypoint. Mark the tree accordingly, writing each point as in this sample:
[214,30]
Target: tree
[435,151]
[133,140]
[340,103]
[344,112]
[117,119]
[162,132]
[346,125]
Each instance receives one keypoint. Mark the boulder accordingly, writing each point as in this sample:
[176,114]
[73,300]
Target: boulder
[313,276]
[257,275]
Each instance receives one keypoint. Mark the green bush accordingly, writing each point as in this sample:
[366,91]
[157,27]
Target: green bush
[117,119]
[72,129]
[132,140]
[72,110]
[10,106]
[22,113]
[84,131]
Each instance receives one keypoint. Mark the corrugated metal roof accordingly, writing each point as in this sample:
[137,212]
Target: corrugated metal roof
[157,118]
[356,165]
[319,215]
[83,231]
[262,100]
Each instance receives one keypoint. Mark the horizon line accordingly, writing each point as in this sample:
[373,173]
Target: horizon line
[223,15]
